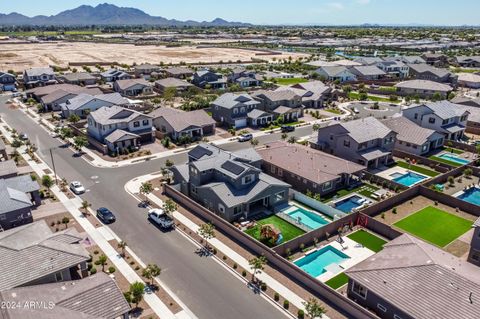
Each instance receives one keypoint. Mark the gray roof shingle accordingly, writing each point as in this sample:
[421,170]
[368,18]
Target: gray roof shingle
[366,129]
[408,131]
[180,120]
[424,85]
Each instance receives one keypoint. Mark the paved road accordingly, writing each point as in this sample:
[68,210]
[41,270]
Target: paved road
[207,289]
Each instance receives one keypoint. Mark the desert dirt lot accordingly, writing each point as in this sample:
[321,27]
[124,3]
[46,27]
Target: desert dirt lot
[21,56]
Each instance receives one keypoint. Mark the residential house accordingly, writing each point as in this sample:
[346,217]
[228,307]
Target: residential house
[232,110]
[431,73]
[245,78]
[307,169]
[435,59]
[3,151]
[336,73]
[178,124]
[444,117]
[469,80]
[35,77]
[423,88]
[120,128]
[394,68]
[410,279]
[467,101]
[231,185]
[364,60]
[367,72]
[474,253]
[365,141]
[19,194]
[78,78]
[54,100]
[7,82]
[73,299]
[113,75]
[206,78]
[281,103]
[39,92]
[32,254]
[179,72]
[407,59]
[473,120]
[413,138]
[468,61]
[314,94]
[178,84]
[84,104]
[133,87]
[8,169]
[146,70]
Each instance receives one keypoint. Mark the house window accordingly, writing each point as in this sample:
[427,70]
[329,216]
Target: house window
[359,290]
[272,169]
[331,137]
[346,143]
[235,111]
[145,122]
[400,142]
[431,120]
[58,276]
[280,172]
[136,124]
[3,217]
[247,179]
[279,196]
[476,256]
[194,189]
[327,185]
[445,122]
[237,210]
[382,307]
[314,185]
[305,181]
[415,116]
[397,317]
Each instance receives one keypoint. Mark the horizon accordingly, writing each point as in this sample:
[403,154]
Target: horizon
[320,12]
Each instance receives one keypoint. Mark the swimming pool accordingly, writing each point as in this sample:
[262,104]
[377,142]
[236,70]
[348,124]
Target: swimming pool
[454,158]
[346,205]
[408,179]
[308,218]
[471,195]
[314,264]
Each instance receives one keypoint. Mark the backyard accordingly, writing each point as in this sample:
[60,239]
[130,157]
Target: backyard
[290,81]
[434,225]
[288,230]
[418,169]
[364,189]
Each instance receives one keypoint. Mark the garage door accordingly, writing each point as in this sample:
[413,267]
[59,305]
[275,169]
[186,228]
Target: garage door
[240,123]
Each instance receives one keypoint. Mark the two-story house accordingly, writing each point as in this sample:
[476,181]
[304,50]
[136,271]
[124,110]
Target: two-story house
[133,87]
[336,73]
[444,117]
[244,78]
[366,141]
[435,59]
[34,77]
[281,103]
[474,253]
[113,75]
[231,185]
[120,128]
[208,79]
[395,68]
[468,61]
[7,82]
[314,94]
[235,110]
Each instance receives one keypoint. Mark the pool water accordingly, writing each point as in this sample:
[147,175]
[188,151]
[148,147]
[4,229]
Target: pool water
[346,205]
[314,264]
[308,218]
[471,195]
[408,179]
[454,158]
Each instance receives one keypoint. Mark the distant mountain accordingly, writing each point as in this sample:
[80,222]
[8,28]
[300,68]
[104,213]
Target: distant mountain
[105,14]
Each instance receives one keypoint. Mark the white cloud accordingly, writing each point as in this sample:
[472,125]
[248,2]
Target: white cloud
[335,5]
[363,1]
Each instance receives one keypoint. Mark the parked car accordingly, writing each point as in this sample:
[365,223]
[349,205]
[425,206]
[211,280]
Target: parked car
[355,110]
[245,137]
[77,187]
[159,217]
[16,94]
[23,136]
[105,215]
[287,128]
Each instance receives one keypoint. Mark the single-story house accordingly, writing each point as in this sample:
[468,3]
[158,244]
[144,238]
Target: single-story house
[84,104]
[423,88]
[113,75]
[468,61]
[178,84]
[78,78]
[470,80]
[336,73]
[179,72]
[427,72]
[367,72]
[133,87]
[8,169]
[146,69]
[7,82]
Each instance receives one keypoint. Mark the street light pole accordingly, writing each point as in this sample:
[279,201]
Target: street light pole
[53,164]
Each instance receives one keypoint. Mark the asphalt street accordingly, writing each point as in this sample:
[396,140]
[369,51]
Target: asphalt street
[207,289]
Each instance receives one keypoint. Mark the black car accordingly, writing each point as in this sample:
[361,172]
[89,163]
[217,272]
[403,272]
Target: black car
[288,128]
[105,215]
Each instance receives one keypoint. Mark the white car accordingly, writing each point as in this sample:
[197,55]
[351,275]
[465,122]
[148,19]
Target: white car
[77,187]
[245,137]
[159,217]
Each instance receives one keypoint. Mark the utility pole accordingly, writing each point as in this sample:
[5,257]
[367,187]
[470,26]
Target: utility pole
[54,170]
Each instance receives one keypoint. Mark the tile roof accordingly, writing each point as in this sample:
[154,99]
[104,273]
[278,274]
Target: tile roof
[469,77]
[71,88]
[364,130]
[172,82]
[115,114]
[78,76]
[120,135]
[333,71]
[126,84]
[424,85]
[278,95]
[421,279]
[96,296]
[82,99]
[423,67]
[256,113]
[446,109]
[306,162]
[179,70]
[368,70]
[231,100]
[39,71]
[32,251]
[55,96]
[181,120]
[8,167]
[408,131]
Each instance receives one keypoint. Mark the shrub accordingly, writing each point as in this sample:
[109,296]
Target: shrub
[93,271]
[394,210]
[95,252]
[97,262]
[301,314]
[263,286]
[137,267]
[244,273]
[132,263]
[89,266]
[276,296]
[214,251]
[286,304]
[235,266]
[436,203]
[224,257]
[383,216]
[111,269]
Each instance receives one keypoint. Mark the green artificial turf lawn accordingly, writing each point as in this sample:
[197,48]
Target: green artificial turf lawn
[338,281]
[435,226]
[368,240]
[288,230]
[445,161]
[291,81]
[418,169]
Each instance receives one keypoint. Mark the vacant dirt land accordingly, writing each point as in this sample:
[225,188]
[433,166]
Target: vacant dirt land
[21,56]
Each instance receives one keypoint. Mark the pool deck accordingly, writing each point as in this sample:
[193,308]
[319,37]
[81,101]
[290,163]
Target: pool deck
[294,206]
[400,170]
[354,250]
[366,201]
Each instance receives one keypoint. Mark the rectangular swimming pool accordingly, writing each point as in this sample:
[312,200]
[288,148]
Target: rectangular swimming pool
[408,179]
[454,158]
[471,195]
[346,205]
[308,218]
[314,264]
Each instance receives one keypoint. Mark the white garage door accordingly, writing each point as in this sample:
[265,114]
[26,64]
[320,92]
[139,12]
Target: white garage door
[240,123]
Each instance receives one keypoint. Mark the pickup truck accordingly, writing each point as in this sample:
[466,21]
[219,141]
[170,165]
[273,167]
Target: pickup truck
[159,217]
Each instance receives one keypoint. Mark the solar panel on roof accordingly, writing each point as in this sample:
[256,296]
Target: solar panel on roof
[198,152]
[232,167]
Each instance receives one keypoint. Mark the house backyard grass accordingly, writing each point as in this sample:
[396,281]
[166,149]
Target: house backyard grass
[288,230]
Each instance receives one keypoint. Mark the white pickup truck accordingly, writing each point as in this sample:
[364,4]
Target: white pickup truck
[159,217]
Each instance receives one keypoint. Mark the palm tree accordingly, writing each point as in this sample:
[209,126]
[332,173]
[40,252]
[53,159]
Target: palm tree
[122,245]
[151,271]
[257,264]
[102,260]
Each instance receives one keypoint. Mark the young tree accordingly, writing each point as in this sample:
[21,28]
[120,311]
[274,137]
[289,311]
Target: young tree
[169,94]
[169,163]
[136,292]
[122,245]
[254,141]
[145,189]
[316,127]
[66,132]
[313,308]
[151,271]
[102,260]
[74,118]
[207,232]
[47,181]
[169,206]
[257,264]
[85,206]
[292,140]
[80,142]
[65,221]
[284,136]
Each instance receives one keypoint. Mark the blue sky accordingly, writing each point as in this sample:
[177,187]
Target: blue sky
[440,12]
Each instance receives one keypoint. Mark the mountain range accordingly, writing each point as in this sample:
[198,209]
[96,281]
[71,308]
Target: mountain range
[106,14]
